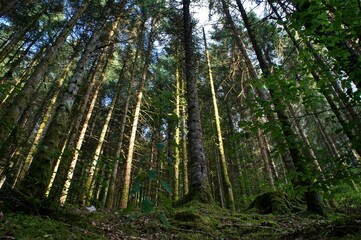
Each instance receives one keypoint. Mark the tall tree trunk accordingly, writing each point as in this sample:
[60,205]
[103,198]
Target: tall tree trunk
[286,156]
[184,143]
[111,201]
[116,178]
[226,181]
[128,163]
[76,152]
[176,135]
[198,172]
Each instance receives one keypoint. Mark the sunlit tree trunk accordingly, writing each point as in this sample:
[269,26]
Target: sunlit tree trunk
[184,143]
[226,181]
[111,201]
[176,136]
[76,152]
[116,179]
[91,176]
[128,163]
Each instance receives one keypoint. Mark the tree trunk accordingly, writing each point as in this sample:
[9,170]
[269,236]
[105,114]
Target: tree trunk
[198,188]
[184,143]
[225,176]
[128,163]
[176,136]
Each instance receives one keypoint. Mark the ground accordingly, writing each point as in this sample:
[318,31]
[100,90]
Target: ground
[191,221]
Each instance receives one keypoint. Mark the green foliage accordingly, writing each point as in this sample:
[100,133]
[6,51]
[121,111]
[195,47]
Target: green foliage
[166,186]
[146,206]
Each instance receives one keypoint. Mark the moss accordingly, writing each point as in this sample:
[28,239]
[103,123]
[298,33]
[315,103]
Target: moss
[194,220]
[184,216]
[21,226]
[274,202]
[199,196]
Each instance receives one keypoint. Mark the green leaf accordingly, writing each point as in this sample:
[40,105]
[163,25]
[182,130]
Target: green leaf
[152,174]
[146,206]
[137,186]
[166,202]
[163,219]
[166,186]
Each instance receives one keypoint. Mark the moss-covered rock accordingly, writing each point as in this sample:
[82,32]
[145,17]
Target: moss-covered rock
[274,202]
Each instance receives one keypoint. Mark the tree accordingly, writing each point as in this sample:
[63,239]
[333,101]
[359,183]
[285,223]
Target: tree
[198,173]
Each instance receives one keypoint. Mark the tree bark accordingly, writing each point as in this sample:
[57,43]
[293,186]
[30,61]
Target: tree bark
[128,163]
[199,186]
[225,176]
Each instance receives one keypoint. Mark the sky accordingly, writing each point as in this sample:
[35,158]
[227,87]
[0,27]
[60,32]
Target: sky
[200,11]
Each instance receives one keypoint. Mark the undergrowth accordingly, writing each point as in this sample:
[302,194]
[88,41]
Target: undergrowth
[193,220]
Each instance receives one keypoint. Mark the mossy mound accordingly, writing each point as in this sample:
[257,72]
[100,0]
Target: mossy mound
[275,203]
[59,226]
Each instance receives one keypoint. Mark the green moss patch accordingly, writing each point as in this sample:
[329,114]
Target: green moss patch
[21,226]
[194,220]
[274,202]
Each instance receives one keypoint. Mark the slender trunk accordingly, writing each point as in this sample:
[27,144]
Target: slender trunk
[176,136]
[184,143]
[128,163]
[116,178]
[226,181]
[76,152]
[64,179]
[113,183]
[90,181]
[286,156]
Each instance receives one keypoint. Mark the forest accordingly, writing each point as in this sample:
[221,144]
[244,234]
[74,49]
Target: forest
[124,119]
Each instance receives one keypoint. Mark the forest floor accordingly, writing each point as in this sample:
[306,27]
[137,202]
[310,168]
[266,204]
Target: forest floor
[191,221]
